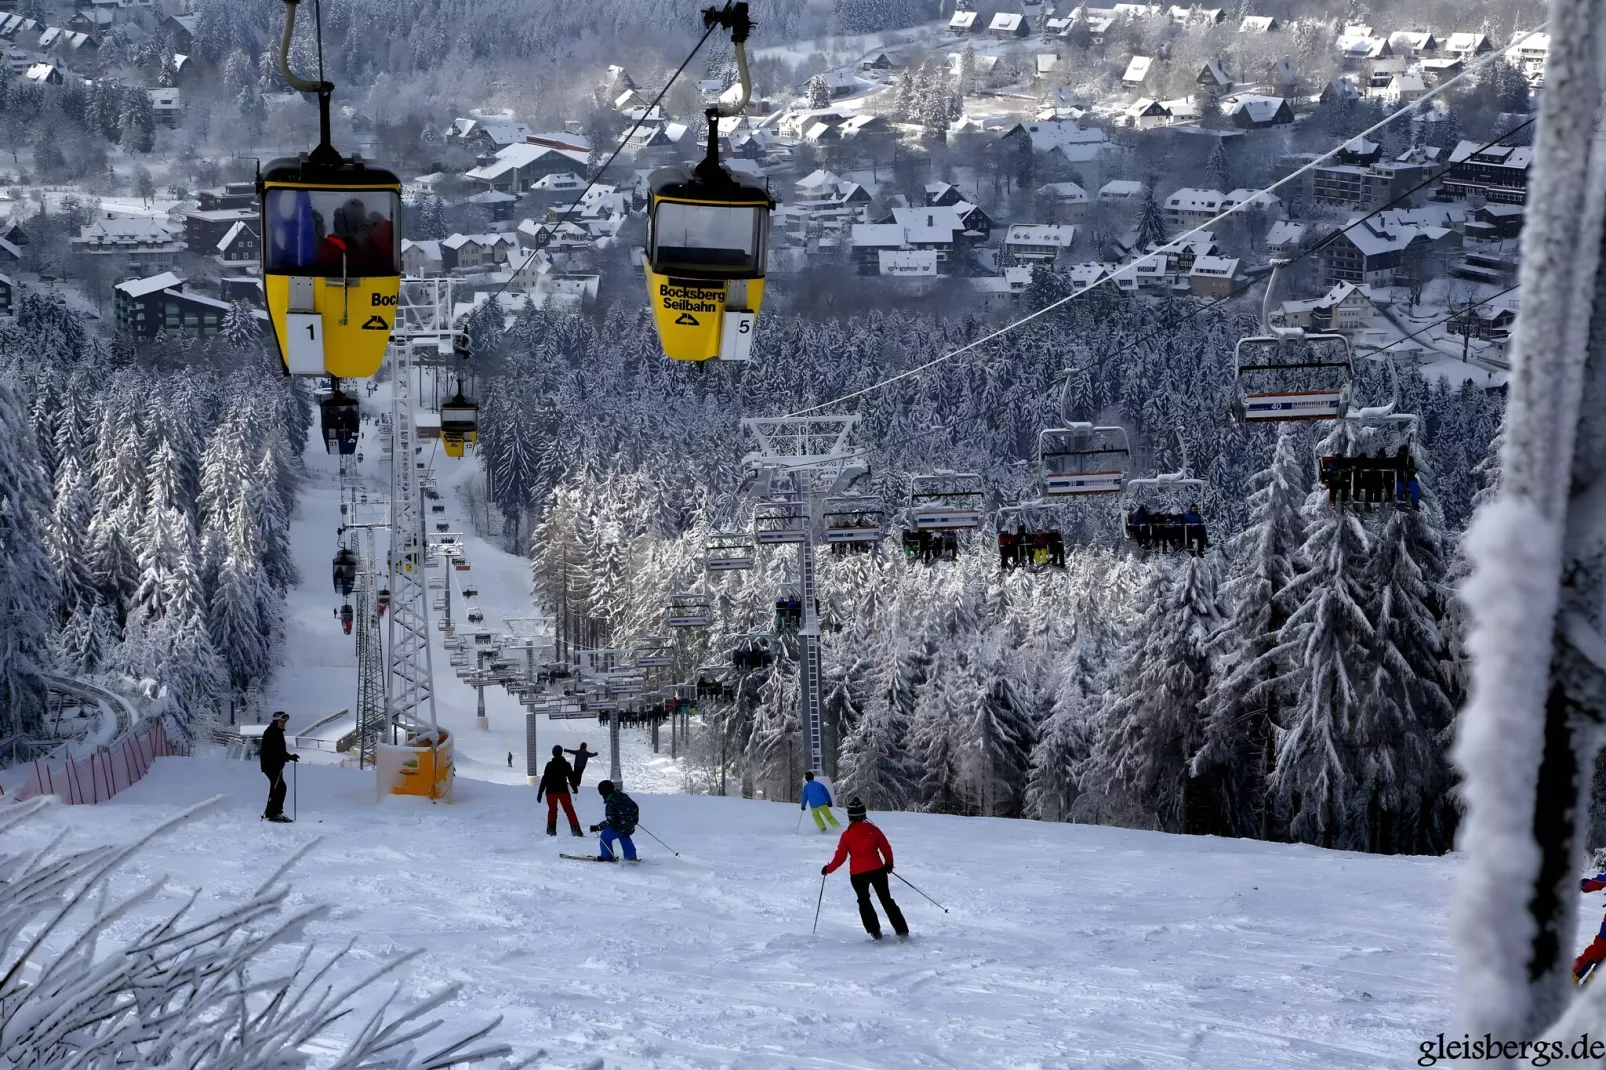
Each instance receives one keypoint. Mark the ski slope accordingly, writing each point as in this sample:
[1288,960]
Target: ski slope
[318,675]
[1065,945]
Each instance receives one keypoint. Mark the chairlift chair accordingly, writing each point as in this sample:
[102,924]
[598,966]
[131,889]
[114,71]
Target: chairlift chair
[1080,458]
[1162,513]
[1024,541]
[788,611]
[475,616]
[779,522]
[728,551]
[384,600]
[1379,473]
[1288,373]
[346,618]
[853,520]
[752,652]
[689,610]
[471,592]
[946,501]
[655,651]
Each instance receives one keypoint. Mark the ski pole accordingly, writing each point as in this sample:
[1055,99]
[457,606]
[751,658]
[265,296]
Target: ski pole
[666,847]
[930,900]
[295,792]
[817,903]
[799,826]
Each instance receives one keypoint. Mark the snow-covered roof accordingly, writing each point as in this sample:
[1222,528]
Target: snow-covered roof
[1519,156]
[1188,199]
[1286,232]
[1054,134]
[916,262]
[559,182]
[1260,109]
[962,20]
[1224,267]
[1057,234]
[1255,198]
[1005,23]
[154,284]
[428,249]
[1409,82]
[1137,70]
[1145,106]
[1257,24]
[1412,40]
[1468,42]
[1215,72]
[1064,191]
[231,236]
[1121,189]
[521,155]
[868,235]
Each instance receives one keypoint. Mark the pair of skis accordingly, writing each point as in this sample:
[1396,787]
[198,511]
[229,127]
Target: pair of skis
[596,858]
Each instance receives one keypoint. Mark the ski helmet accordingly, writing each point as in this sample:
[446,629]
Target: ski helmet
[856,809]
[604,788]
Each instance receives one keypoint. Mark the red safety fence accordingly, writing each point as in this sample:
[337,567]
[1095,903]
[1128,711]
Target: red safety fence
[96,777]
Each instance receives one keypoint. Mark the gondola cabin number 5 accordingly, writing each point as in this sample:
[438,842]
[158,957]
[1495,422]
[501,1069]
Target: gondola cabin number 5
[706,244]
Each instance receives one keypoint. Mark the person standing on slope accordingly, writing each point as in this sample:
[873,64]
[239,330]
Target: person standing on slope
[555,786]
[581,756]
[817,800]
[620,822]
[871,856]
[274,755]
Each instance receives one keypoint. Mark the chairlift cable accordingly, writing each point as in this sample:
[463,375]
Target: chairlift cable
[623,141]
[1240,206]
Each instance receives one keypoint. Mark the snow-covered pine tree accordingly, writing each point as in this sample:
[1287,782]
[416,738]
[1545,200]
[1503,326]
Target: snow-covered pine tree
[997,736]
[1325,650]
[1065,739]
[67,535]
[1151,228]
[1241,707]
[1402,729]
[29,596]
[1153,727]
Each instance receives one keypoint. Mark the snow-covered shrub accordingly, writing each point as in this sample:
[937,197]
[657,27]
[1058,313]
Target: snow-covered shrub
[190,991]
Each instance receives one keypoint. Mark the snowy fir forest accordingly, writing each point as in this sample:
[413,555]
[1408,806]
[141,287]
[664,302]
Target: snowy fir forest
[1297,682]
[147,504]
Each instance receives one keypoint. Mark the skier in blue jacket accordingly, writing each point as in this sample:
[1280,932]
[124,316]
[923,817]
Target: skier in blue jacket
[817,800]
[622,813]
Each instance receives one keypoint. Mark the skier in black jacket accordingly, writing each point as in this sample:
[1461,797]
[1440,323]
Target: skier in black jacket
[274,756]
[555,779]
[581,756]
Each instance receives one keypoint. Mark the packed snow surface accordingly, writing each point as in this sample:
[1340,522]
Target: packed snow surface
[1064,945]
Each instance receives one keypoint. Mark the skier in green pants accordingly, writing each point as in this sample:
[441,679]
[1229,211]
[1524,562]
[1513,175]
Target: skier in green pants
[817,800]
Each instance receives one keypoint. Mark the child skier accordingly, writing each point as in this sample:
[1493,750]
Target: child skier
[1585,964]
[868,846]
[620,822]
[817,800]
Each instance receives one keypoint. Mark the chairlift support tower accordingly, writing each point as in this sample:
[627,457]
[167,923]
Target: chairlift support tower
[362,514]
[423,313]
[811,456]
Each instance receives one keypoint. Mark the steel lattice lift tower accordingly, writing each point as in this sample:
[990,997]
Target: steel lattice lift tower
[800,459]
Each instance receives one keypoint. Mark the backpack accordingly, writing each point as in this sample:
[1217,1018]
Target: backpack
[625,813]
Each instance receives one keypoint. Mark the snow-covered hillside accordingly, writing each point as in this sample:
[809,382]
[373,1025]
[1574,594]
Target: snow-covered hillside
[1064,945]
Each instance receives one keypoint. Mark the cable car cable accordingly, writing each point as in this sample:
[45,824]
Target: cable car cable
[1240,206]
[623,141]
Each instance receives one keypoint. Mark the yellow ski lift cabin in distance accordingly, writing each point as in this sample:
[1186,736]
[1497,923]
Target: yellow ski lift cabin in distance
[707,237]
[331,241]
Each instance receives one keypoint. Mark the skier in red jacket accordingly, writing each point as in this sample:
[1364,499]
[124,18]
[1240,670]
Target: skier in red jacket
[867,847]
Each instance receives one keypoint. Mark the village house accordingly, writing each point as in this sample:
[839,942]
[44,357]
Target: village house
[485,136]
[1497,173]
[1373,253]
[1146,114]
[129,245]
[7,301]
[1188,207]
[1484,322]
[463,252]
[1419,43]
[144,308]
[240,244]
[938,231]
[1404,88]
[1284,239]
[962,24]
[514,168]
[422,258]
[1345,308]
[1259,24]
[1038,242]
[1005,288]
[1122,191]
[1068,199]
[1214,276]
[1137,71]
[229,195]
[1253,111]
[1467,46]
